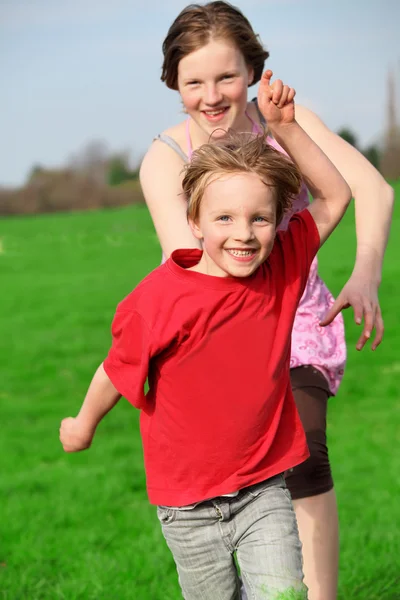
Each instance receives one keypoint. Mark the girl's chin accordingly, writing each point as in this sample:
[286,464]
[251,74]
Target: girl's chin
[218,133]
[220,125]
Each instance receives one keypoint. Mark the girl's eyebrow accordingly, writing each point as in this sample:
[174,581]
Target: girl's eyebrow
[231,71]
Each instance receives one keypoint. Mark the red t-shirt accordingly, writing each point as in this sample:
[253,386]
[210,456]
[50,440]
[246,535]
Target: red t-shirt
[219,414]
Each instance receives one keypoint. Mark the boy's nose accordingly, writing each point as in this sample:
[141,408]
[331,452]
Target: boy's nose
[244,234]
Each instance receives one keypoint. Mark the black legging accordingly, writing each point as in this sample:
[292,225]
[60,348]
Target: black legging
[311,393]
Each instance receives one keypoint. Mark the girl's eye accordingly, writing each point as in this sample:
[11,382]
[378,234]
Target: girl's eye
[227,76]
[260,219]
[224,218]
[193,83]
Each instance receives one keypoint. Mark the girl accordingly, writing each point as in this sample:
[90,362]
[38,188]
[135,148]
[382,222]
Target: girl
[211,57]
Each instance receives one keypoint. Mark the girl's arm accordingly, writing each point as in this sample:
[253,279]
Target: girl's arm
[373,208]
[160,178]
[330,191]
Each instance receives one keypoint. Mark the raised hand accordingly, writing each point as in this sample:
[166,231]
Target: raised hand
[275,101]
[75,435]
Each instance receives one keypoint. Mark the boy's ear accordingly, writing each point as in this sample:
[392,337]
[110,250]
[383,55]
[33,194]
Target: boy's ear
[195,228]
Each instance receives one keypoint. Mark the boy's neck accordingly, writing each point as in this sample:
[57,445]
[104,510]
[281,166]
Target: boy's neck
[204,268]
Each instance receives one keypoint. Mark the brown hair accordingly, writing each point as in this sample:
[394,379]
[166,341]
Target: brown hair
[197,24]
[241,153]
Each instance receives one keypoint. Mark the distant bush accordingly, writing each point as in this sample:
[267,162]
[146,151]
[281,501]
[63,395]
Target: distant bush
[372,153]
[119,171]
[65,190]
[349,136]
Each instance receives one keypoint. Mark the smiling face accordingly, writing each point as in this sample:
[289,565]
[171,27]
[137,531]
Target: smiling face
[212,82]
[236,224]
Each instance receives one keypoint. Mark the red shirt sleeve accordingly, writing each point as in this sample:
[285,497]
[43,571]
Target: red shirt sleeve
[127,362]
[300,243]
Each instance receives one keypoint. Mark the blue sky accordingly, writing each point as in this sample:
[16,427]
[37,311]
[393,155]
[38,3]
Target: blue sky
[83,70]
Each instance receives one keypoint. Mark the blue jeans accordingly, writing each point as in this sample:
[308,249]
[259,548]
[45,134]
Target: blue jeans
[258,526]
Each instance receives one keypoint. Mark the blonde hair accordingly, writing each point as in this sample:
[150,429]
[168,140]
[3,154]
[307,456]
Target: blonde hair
[241,153]
[197,25]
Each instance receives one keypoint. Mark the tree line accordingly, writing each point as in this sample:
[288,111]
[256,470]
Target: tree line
[97,178]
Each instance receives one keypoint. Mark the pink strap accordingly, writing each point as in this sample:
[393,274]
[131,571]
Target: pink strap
[256,128]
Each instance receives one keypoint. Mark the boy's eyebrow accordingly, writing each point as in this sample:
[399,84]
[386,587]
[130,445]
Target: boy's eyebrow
[265,212]
[220,211]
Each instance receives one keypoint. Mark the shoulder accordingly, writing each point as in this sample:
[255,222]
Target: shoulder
[177,133]
[300,224]
[160,151]
[167,163]
[158,294]
[162,300]
[300,238]
[295,248]
[314,125]
[302,220]
[305,115]
[146,296]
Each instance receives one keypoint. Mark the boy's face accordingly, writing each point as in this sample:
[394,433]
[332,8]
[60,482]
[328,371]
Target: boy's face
[237,225]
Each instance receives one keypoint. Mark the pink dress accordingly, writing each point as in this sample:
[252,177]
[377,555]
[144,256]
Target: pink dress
[322,347]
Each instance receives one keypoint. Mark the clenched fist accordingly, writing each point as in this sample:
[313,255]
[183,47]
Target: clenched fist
[75,435]
[275,101]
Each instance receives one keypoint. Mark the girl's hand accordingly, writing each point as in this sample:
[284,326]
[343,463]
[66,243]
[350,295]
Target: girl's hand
[362,294]
[276,101]
[75,435]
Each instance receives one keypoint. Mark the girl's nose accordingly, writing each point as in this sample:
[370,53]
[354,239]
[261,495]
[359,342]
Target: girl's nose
[212,95]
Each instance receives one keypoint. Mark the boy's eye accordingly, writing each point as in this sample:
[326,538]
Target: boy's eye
[194,82]
[260,219]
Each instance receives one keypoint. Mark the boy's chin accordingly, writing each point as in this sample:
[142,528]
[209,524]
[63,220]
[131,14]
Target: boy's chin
[244,275]
[243,271]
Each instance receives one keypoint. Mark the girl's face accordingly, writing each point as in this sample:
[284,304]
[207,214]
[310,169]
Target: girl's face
[213,82]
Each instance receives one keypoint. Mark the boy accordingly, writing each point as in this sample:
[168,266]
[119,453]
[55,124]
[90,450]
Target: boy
[211,332]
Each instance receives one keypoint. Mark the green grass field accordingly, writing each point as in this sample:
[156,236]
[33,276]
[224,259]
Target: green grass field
[80,526]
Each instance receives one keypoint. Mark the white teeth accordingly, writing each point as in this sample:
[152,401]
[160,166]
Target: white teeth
[213,112]
[240,252]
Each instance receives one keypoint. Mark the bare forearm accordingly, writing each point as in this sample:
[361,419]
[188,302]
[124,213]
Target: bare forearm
[373,209]
[101,397]
[373,197]
[321,177]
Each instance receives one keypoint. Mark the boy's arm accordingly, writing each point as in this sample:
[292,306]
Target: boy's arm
[123,373]
[77,433]
[330,192]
